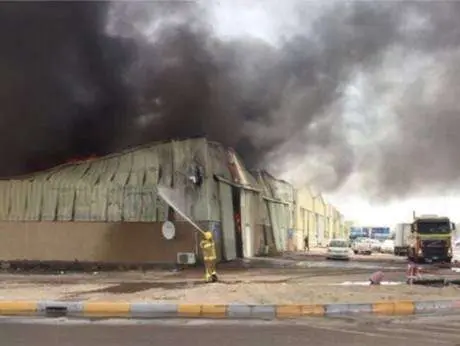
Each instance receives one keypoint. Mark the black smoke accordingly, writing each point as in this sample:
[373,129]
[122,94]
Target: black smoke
[62,92]
[90,78]
[418,152]
[257,97]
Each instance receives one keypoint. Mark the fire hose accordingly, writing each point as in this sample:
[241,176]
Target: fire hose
[207,244]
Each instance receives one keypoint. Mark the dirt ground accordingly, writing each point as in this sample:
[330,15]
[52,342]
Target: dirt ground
[264,287]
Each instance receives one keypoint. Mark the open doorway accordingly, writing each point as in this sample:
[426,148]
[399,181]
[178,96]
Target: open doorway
[236,197]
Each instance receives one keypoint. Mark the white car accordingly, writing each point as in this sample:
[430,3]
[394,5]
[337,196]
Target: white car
[338,249]
[362,246]
[376,245]
[388,246]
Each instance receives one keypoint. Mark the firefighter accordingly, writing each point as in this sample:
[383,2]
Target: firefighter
[209,257]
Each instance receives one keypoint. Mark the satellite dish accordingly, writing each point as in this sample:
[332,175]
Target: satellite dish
[168,230]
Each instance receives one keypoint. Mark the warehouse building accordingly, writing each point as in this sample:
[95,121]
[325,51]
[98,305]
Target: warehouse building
[105,209]
[279,199]
[108,209]
[316,218]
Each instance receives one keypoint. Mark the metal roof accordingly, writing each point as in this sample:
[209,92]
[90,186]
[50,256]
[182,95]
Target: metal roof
[112,188]
[122,186]
[275,188]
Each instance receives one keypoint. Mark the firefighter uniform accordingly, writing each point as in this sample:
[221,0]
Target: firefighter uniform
[209,257]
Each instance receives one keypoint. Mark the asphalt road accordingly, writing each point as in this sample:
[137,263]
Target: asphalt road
[426,331]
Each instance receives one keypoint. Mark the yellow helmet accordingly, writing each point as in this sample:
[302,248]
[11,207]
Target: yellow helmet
[207,235]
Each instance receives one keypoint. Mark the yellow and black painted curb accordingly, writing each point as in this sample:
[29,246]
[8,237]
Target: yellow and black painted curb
[231,311]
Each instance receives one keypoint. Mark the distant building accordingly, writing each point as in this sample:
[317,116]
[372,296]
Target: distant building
[316,218]
[374,232]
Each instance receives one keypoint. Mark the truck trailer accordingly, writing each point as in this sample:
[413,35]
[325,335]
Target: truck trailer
[402,232]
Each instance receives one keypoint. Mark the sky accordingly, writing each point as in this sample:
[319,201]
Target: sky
[357,208]
[363,213]
[233,19]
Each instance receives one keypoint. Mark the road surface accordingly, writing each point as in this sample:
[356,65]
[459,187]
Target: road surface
[425,331]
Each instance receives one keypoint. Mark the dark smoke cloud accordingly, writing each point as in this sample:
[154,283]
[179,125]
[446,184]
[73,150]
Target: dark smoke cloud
[90,78]
[255,96]
[61,88]
[421,155]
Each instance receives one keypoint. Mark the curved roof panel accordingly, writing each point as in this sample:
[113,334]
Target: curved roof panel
[119,187]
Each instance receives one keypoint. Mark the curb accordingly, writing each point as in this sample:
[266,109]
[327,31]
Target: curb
[232,311]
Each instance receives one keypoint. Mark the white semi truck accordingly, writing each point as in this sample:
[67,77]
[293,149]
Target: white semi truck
[401,237]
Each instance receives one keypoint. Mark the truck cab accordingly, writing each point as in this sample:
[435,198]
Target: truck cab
[431,239]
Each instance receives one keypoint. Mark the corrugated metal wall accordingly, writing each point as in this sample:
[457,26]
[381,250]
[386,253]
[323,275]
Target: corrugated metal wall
[267,228]
[228,222]
[320,228]
[117,188]
[249,220]
[281,197]
[218,165]
[123,187]
[190,157]
[276,224]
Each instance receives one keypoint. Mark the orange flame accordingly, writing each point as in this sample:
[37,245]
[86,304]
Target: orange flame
[81,159]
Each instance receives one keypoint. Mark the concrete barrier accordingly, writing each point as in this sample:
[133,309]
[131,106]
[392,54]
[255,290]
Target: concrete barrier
[143,310]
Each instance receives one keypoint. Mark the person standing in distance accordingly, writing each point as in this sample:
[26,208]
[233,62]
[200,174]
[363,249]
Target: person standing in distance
[306,243]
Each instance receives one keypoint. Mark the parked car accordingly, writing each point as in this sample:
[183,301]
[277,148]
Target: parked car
[388,246]
[338,249]
[362,246]
[376,245]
